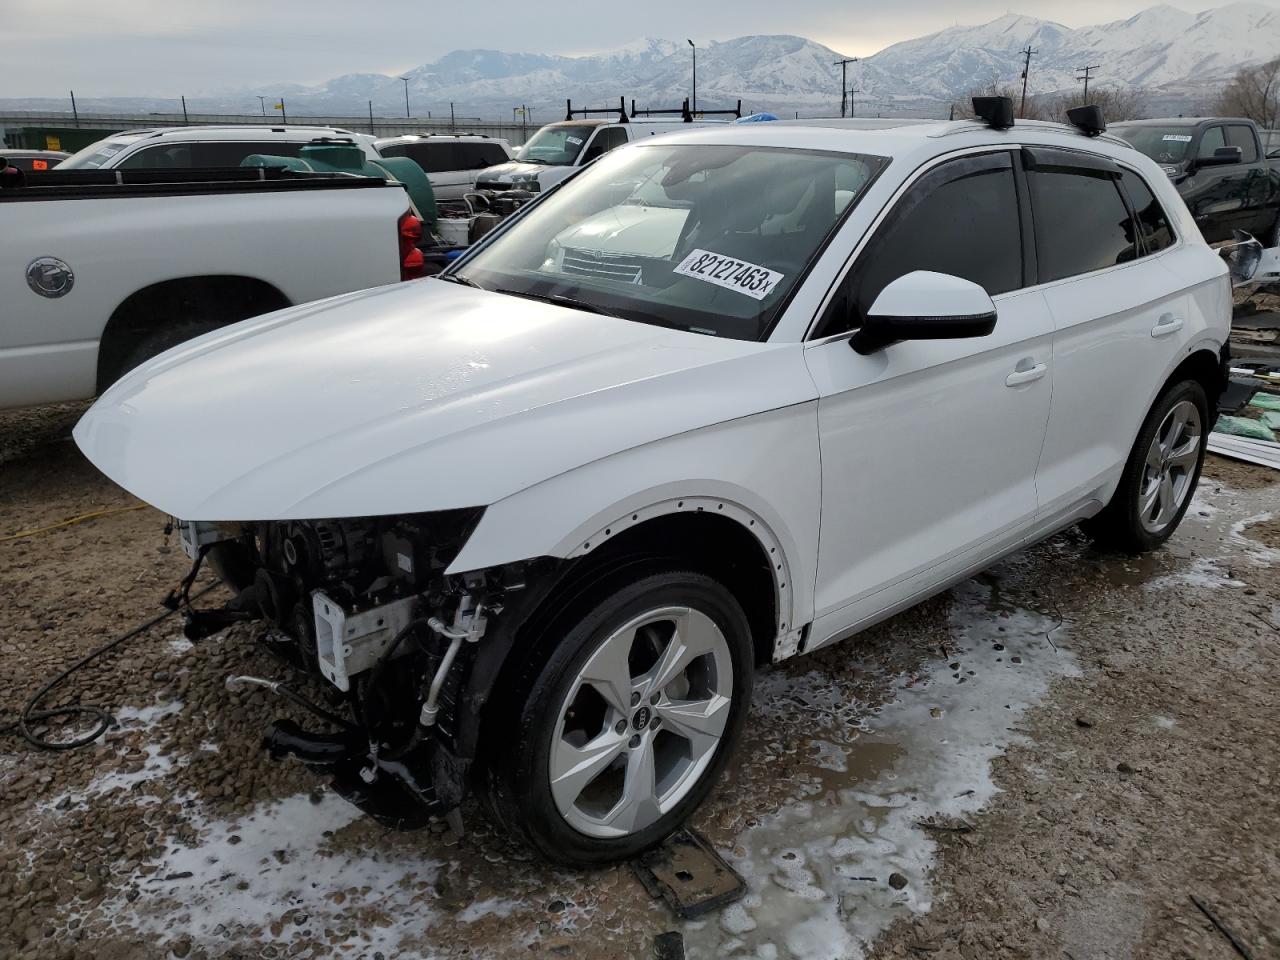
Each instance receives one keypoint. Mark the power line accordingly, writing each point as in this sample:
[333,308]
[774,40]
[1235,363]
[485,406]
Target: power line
[1086,73]
[843,64]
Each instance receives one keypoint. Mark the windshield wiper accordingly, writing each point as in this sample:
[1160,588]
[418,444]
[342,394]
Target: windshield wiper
[562,301]
[459,278]
[532,160]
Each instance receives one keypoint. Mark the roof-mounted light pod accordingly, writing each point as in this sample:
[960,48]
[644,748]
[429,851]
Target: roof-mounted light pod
[1088,120]
[995,112]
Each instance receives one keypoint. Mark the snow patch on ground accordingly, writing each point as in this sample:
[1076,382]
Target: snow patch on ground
[180,645]
[273,876]
[139,718]
[1204,573]
[1258,553]
[819,870]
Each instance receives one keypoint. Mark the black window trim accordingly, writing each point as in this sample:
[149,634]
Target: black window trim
[1066,158]
[885,215]
[1028,219]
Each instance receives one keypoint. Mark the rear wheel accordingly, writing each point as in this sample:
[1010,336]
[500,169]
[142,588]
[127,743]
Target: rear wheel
[1161,474]
[624,725]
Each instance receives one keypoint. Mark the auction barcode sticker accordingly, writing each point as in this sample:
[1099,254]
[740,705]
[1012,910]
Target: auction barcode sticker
[1177,137]
[728,272]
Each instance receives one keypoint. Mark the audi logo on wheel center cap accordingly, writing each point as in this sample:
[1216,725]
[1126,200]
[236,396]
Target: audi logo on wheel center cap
[641,719]
[50,277]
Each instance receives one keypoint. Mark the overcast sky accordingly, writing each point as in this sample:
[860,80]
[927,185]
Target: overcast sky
[162,48]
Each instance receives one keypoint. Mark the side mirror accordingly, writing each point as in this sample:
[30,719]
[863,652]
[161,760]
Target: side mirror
[1221,157]
[925,306]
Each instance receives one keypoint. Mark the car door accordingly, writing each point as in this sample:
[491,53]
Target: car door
[1216,195]
[1118,316]
[1256,179]
[929,448]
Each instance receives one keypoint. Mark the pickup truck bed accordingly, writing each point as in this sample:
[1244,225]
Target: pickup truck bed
[104,269]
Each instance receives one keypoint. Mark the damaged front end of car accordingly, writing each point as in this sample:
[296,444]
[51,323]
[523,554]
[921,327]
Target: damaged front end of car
[411,651]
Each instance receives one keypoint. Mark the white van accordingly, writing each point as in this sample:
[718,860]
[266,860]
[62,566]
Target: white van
[451,161]
[560,148]
[199,147]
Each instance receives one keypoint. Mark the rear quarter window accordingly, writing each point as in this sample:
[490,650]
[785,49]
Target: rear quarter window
[1156,229]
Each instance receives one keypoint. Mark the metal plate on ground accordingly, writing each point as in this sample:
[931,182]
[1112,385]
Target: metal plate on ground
[689,875]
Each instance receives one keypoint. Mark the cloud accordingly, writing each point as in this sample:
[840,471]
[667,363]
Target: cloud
[162,48]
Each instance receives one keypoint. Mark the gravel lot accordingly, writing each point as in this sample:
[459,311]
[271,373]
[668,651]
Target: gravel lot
[1106,727]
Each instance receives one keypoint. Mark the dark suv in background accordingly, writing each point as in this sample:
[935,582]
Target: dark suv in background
[1221,170]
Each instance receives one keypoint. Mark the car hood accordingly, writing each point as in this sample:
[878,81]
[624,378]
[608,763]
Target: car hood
[416,397]
[503,172]
[634,229]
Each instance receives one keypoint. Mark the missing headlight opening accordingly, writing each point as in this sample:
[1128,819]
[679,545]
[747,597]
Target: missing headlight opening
[365,604]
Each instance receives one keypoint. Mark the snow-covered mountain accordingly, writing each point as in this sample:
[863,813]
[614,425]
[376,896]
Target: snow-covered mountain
[1179,58]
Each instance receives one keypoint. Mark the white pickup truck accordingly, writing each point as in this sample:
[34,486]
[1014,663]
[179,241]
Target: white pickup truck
[102,270]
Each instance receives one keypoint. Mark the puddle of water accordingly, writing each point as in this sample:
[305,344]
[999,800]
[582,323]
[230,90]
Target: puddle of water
[818,871]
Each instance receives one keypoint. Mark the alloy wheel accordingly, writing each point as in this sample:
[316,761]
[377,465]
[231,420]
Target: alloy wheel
[1170,467]
[641,722]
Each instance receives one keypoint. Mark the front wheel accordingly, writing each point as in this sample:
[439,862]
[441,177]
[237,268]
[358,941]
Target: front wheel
[627,722]
[1161,474]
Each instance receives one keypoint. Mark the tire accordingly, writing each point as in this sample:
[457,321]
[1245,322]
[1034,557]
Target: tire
[1272,239]
[597,813]
[1145,510]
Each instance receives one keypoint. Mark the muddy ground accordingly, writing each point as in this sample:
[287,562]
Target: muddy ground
[1048,761]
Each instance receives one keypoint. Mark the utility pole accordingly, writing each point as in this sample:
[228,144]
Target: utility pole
[843,64]
[371,130]
[185,121]
[74,112]
[1086,73]
[262,102]
[695,74]
[853,101]
[284,117]
[1027,54]
[453,123]
[406,97]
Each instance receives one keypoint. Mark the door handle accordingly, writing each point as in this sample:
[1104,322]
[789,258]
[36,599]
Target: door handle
[1166,325]
[1026,374]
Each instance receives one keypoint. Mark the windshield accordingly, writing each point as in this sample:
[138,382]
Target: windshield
[96,154]
[706,238]
[1161,144]
[558,146]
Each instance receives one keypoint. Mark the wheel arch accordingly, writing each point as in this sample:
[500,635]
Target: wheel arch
[714,536]
[1205,362]
[218,299]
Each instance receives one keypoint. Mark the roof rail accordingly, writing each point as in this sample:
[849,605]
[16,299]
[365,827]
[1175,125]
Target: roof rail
[620,110]
[686,115]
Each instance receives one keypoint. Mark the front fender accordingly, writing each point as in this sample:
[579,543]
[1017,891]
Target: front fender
[763,471]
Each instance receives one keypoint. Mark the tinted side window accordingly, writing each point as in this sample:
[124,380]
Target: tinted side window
[1238,135]
[1082,223]
[231,153]
[161,155]
[1151,217]
[1211,141]
[956,221]
[475,156]
[431,157]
